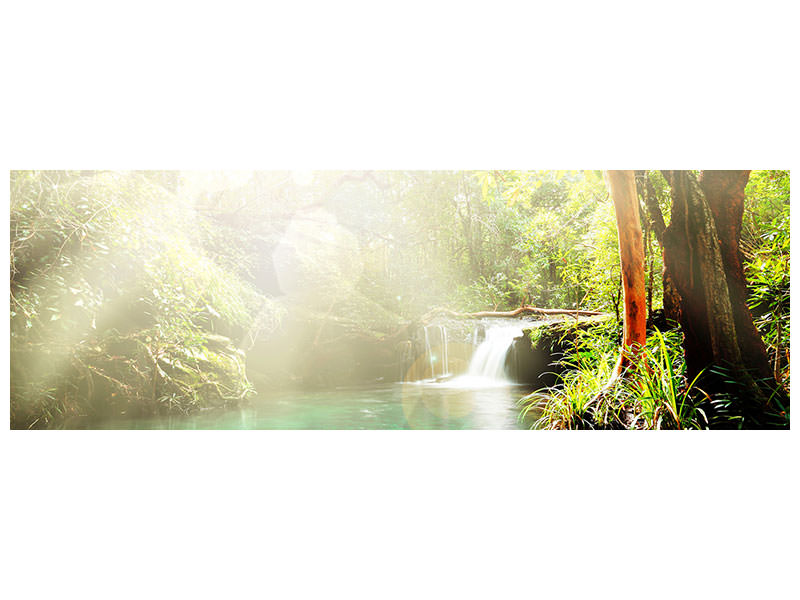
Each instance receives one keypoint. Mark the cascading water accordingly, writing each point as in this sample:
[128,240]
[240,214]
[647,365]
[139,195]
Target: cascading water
[445,361]
[489,359]
[487,367]
[429,352]
[441,355]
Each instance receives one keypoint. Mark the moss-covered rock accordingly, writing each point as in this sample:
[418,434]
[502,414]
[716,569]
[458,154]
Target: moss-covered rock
[535,357]
[132,375]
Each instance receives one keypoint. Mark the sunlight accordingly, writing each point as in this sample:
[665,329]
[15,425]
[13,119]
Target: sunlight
[399,299]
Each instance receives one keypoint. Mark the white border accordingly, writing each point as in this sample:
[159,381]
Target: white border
[415,85]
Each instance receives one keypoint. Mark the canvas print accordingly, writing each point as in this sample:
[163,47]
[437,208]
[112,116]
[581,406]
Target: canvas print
[574,299]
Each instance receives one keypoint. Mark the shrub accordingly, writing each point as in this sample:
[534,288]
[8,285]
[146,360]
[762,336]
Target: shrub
[113,302]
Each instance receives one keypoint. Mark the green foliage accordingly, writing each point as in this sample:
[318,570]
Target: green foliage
[767,249]
[123,260]
[656,394]
[727,411]
[766,198]
[565,250]
[589,361]
[661,398]
[653,395]
[486,293]
[570,405]
[112,301]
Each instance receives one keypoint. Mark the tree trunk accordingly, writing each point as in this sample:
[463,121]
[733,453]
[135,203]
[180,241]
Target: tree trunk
[701,254]
[672,299]
[724,191]
[631,251]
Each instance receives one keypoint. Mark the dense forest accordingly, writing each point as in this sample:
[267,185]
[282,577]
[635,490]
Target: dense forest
[661,298]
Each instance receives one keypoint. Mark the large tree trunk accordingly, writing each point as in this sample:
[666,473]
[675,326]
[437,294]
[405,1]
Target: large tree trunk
[672,299]
[724,191]
[701,254]
[631,252]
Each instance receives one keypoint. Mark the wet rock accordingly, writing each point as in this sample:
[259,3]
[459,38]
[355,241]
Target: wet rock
[535,358]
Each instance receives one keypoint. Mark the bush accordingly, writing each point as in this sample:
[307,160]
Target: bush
[653,395]
[768,276]
[113,302]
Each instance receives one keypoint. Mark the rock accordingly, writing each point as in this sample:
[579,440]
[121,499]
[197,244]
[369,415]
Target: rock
[535,357]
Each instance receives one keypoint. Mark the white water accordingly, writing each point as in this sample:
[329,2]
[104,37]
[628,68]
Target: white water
[445,360]
[487,367]
[434,358]
[490,357]
[429,352]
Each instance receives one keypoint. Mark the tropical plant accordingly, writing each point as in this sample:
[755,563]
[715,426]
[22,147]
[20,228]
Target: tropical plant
[115,307]
[653,395]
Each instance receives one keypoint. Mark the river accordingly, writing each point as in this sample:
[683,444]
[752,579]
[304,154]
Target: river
[481,398]
[390,406]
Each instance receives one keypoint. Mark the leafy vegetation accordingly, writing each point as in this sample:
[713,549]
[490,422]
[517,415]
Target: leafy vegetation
[114,302]
[656,395]
[766,246]
[158,292]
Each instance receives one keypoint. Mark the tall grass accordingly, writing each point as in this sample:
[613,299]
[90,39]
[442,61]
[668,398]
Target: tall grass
[571,404]
[652,394]
[661,396]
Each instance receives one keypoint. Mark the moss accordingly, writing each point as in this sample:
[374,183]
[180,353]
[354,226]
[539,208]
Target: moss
[534,335]
[116,317]
[551,336]
[137,374]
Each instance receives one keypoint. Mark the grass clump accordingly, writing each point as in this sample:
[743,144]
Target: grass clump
[653,394]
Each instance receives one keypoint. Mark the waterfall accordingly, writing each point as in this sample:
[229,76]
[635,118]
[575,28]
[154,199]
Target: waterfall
[406,358]
[445,361]
[441,347]
[429,352]
[487,367]
[489,359]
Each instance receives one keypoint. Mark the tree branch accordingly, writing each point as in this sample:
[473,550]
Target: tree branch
[524,309]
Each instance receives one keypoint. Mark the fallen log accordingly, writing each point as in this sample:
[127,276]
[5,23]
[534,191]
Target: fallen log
[524,309]
[403,330]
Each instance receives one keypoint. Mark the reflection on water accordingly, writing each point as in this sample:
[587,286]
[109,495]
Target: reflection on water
[391,406]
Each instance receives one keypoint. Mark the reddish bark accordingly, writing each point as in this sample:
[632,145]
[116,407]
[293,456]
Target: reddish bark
[631,251]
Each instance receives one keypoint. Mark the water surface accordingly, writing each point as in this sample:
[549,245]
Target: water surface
[418,405]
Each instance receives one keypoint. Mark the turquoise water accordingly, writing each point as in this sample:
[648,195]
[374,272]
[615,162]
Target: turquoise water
[391,406]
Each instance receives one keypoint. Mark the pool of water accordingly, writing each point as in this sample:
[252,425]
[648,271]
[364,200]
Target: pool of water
[449,405]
